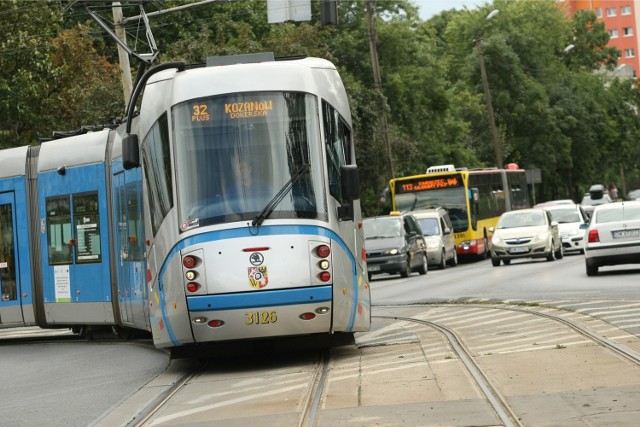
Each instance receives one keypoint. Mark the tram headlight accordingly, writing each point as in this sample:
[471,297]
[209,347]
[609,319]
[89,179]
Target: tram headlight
[324,264]
[190,275]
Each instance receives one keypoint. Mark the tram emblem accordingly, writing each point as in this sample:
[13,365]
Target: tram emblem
[256,258]
[258,277]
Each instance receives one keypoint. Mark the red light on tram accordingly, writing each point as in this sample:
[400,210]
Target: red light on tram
[323,251]
[594,237]
[192,287]
[325,276]
[307,316]
[215,323]
[189,261]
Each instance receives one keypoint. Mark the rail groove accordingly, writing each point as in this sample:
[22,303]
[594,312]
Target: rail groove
[494,397]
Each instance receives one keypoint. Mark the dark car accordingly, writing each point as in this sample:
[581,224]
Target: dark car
[394,244]
[597,195]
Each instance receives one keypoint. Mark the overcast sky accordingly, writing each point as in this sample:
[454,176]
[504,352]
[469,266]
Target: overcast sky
[428,8]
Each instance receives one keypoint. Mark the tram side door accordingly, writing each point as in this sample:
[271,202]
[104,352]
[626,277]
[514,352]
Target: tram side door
[130,248]
[10,308]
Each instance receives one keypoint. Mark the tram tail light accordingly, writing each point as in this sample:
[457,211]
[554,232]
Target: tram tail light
[321,263]
[307,316]
[593,237]
[194,273]
[189,261]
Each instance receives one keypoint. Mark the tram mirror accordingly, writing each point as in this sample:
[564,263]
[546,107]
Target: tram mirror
[350,183]
[130,152]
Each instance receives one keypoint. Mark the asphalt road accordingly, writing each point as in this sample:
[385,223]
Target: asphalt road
[77,383]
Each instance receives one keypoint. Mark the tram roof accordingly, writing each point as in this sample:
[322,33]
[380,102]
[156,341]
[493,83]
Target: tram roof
[13,162]
[312,75]
[73,151]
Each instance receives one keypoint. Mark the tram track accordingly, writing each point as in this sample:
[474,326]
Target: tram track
[479,361]
[497,401]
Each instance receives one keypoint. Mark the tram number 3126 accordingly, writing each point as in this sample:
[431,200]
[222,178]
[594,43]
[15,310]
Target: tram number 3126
[261,317]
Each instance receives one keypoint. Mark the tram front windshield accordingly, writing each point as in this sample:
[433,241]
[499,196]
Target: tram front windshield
[235,152]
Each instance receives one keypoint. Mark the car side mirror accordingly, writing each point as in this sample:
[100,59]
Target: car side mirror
[554,223]
[584,226]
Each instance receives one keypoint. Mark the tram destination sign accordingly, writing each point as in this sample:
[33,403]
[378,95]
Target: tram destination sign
[412,185]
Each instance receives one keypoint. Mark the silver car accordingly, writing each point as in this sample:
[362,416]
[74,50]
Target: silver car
[525,233]
[613,236]
[437,230]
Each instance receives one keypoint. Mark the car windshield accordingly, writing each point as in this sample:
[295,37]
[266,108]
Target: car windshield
[521,219]
[429,226]
[382,228]
[565,216]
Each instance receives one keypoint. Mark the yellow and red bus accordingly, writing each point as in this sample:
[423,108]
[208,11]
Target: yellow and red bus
[474,198]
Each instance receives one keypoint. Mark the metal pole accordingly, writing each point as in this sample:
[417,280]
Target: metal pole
[487,94]
[123,56]
[378,82]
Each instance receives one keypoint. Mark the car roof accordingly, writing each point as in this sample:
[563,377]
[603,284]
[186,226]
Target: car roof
[429,213]
[554,203]
[618,205]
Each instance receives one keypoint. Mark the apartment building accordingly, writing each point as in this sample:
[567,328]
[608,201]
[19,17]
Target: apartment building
[621,18]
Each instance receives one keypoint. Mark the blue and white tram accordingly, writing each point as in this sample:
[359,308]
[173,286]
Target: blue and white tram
[227,209]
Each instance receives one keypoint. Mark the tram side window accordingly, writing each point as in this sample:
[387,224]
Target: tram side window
[338,146]
[157,169]
[134,216]
[87,226]
[59,226]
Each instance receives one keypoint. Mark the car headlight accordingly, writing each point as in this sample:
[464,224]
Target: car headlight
[496,239]
[543,235]
[391,251]
[433,245]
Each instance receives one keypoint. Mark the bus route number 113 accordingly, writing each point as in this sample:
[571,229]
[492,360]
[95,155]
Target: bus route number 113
[260,317]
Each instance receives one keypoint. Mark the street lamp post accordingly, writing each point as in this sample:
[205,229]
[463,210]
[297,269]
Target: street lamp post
[497,148]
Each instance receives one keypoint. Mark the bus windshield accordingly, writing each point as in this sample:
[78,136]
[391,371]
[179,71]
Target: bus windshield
[233,153]
[453,199]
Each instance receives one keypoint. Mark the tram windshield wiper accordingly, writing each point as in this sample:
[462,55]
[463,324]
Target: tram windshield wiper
[268,209]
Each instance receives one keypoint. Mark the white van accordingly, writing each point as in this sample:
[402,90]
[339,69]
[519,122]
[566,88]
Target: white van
[438,232]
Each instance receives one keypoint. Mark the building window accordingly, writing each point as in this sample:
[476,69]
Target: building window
[599,12]
[625,10]
[611,11]
[627,31]
[613,33]
[629,53]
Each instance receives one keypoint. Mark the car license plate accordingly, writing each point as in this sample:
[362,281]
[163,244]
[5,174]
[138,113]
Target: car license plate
[518,250]
[373,268]
[260,317]
[625,233]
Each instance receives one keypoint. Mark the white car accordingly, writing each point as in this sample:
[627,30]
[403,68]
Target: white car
[613,236]
[572,222]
